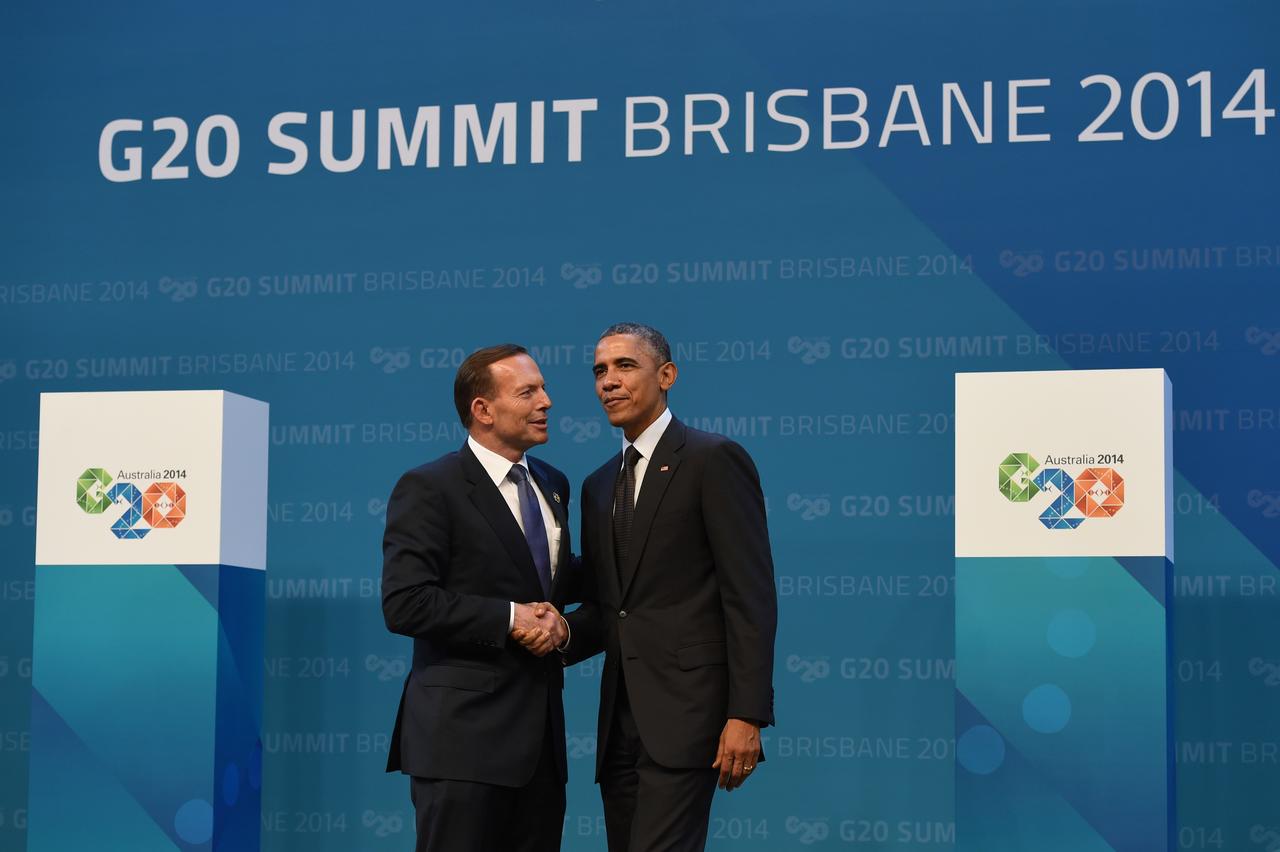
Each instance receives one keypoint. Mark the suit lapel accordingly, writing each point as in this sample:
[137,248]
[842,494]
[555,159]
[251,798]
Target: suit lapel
[489,501]
[554,498]
[657,476]
[602,495]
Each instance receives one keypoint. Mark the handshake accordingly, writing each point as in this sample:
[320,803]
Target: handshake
[540,628]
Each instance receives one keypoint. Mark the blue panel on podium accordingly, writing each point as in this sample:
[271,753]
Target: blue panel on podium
[143,712]
[1066,666]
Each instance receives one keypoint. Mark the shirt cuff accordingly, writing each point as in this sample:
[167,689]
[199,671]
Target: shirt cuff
[568,635]
[511,619]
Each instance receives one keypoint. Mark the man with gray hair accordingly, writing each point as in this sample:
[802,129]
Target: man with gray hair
[473,539]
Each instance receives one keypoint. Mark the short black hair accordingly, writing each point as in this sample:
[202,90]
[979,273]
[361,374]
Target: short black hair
[652,338]
[475,379]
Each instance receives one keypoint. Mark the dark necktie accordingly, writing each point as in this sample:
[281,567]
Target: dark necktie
[624,507]
[535,531]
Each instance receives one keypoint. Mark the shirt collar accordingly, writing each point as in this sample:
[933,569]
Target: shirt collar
[495,465]
[647,441]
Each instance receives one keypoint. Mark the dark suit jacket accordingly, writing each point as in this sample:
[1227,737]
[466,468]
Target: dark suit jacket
[690,618]
[475,705]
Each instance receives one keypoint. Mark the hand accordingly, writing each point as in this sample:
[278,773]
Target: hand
[559,627]
[532,631]
[539,628]
[738,752]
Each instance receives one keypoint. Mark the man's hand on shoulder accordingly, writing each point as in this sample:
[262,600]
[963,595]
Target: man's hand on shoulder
[540,628]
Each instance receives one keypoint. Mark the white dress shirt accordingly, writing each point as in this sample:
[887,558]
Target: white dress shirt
[645,443]
[498,467]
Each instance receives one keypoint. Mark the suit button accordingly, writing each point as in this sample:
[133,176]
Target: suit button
[622,614]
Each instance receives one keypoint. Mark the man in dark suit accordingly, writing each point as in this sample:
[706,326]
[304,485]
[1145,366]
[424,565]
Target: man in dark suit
[470,538]
[679,593]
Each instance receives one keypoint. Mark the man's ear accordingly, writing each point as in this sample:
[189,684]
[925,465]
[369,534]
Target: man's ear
[480,411]
[667,374]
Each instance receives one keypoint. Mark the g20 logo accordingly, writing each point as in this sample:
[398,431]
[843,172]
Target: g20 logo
[161,506]
[1097,492]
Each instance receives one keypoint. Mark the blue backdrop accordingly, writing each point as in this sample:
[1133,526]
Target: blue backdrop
[820,300]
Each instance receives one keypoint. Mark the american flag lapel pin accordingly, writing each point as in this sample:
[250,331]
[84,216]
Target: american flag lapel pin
[664,468]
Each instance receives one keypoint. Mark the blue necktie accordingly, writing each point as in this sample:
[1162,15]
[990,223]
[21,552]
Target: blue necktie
[535,531]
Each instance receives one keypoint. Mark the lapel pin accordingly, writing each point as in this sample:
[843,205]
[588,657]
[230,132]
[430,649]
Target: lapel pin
[664,468]
[555,495]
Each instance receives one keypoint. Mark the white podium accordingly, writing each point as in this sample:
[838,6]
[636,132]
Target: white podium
[150,596]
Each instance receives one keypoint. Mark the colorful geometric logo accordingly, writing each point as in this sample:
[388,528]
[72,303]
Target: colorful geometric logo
[161,506]
[1097,492]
